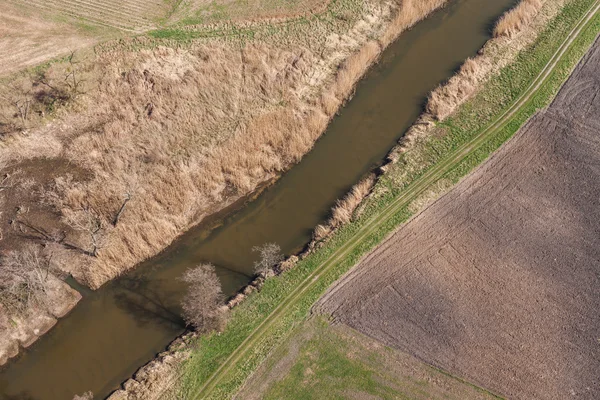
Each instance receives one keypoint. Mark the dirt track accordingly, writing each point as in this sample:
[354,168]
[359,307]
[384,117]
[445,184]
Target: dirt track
[499,281]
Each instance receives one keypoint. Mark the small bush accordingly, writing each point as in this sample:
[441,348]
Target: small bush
[270,256]
[24,279]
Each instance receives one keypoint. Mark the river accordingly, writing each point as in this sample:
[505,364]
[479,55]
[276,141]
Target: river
[117,329]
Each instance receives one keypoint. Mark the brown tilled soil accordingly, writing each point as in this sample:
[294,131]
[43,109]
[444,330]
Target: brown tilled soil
[498,281]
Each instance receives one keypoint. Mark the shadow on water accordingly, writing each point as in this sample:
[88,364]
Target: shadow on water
[143,299]
[118,328]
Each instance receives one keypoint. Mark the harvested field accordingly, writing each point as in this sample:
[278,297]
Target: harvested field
[202,11]
[28,40]
[497,282]
[129,15]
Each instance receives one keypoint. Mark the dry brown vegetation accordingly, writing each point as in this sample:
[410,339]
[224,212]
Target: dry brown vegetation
[24,280]
[514,20]
[180,133]
[344,209]
[525,20]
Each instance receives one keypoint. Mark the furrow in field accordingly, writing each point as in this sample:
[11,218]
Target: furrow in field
[91,13]
[77,15]
[112,14]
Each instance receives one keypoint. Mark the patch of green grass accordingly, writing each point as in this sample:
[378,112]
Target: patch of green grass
[335,362]
[497,96]
[338,16]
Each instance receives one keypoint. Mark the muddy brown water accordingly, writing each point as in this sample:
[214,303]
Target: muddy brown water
[117,329]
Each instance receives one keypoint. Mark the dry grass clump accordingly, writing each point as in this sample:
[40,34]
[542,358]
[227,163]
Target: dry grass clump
[355,67]
[444,99]
[410,12]
[447,97]
[513,21]
[343,210]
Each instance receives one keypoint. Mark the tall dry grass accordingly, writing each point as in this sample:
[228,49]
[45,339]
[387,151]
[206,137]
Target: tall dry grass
[410,12]
[181,133]
[344,208]
[459,88]
[444,99]
[513,21]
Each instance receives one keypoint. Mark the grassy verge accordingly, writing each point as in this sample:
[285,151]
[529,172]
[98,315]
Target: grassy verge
[344,12]
[222,362]
[319,360]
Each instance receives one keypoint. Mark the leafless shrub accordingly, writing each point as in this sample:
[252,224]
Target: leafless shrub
[91,225]
[24,280]
[203,299]
[270,256]
[17,99]
[85,396]
[513,21]
[40,92]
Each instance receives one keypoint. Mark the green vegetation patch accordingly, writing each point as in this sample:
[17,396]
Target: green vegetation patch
[338,16]
[319,360]
[261,322]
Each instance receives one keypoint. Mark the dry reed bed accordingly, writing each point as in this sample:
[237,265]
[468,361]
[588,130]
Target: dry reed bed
[513,21]
[516,29]
[184,132]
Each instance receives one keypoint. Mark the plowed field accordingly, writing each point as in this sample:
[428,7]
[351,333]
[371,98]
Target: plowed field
[498,282]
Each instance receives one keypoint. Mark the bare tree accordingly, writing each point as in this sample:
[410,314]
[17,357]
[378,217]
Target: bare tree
[270,256]
[20,100]
[92,225]
[203,298]
[72,77]
[24,279]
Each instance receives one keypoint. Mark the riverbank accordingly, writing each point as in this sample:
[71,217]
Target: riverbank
[122,195]
[220,366]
